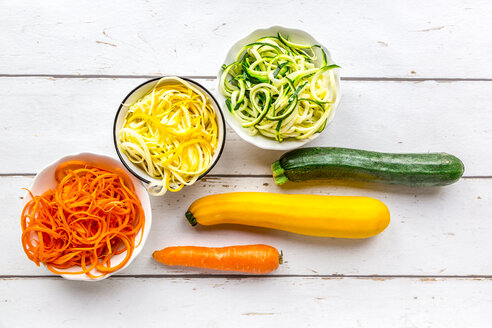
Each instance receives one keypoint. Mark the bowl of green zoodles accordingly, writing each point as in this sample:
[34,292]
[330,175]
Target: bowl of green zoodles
[279,88]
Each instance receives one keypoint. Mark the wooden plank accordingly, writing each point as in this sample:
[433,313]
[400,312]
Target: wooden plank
[442,231]
[424,39]
[220,302]
[45,118]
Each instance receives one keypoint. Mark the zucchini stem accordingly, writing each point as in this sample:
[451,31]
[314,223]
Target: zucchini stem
[191,219]
[279,174]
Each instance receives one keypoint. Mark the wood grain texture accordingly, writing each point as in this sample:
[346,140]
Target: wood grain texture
[391,39]
[219,302]
[442,231]
[416,77]
[45,118]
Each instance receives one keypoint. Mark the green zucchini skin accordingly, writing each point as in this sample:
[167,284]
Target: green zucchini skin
[414,170]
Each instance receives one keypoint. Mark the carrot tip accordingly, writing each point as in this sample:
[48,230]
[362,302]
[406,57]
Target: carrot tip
[191,219]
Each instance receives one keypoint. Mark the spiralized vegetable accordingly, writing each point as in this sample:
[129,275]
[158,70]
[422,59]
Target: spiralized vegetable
[274,88]
[92,215]
[171,133]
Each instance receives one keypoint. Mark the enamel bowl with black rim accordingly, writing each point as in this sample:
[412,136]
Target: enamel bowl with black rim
[139,92]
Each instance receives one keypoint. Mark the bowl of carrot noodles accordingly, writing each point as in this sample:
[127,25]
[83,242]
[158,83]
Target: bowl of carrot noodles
[85,217]
[169,132]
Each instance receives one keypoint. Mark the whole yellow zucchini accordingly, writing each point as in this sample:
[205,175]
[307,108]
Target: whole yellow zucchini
[314,215]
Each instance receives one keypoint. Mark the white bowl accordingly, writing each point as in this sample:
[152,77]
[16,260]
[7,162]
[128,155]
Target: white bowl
[297,36]
[45,180]
[138,93]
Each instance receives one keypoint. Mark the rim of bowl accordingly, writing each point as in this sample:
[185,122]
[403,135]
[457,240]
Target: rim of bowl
[286,144]
[120,107]
[148,216]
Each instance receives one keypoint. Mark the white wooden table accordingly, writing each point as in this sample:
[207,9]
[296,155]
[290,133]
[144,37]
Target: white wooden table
[417,77]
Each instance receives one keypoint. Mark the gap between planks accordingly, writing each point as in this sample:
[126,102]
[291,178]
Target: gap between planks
[212,77]
[273,276]
[259,176]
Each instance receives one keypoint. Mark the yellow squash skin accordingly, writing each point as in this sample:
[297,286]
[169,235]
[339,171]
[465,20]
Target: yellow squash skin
[313,215]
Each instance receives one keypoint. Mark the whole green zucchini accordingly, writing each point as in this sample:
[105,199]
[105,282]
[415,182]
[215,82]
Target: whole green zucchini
[427,169]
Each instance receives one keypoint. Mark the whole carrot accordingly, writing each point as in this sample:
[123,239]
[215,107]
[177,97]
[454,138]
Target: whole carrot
[258,259]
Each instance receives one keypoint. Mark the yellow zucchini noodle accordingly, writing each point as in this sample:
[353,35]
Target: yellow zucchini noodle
[171,133]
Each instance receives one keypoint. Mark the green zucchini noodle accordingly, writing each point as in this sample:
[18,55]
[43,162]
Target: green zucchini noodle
[274,88]
[171,133]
